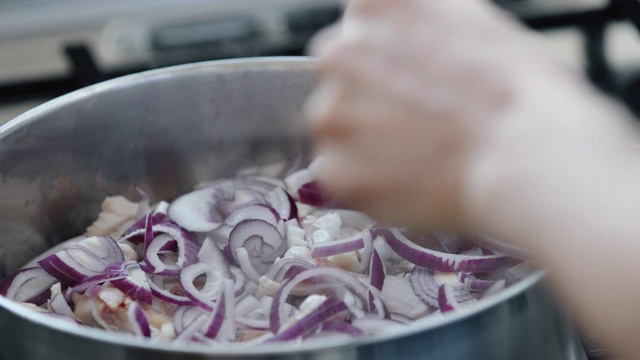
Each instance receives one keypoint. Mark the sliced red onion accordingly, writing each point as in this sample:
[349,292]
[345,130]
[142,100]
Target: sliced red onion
[157,286]
[514,274]
[399,298]
[282,270]
[495,288]
[83,259]
[426,284]
[187,248]
[203,210]
[311,322]
[30,285]
[251,315]
[193,328]
[375,304]
[129,278]
[216,319]
[247,268]
[223,313]
[211,289]
[253,211]
[439,261]
[342,327]
[253,324]
[148,230]
[85,284]
[297,179]
[136,232]
[59,305]
[336,247]
[332,280]
[225,250]
[377,271]
[138,320]
[195,211]
[354,220]
[285,268]
[367,251]
[447,299]
[283,203]
[186,315]
[401,318]
[210,253]
[474,284]
[311,194]
[93,291]
[263,242]
[239,281]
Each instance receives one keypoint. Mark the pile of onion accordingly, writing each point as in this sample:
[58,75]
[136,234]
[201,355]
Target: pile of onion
[258,259]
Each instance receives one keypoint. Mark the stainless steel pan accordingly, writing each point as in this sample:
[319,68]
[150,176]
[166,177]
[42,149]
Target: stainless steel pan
[165,130]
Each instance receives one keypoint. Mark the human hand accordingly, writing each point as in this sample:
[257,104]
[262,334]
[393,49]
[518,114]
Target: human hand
[411,92]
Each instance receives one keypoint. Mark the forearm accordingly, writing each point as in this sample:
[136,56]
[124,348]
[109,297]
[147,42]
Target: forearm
[575,203]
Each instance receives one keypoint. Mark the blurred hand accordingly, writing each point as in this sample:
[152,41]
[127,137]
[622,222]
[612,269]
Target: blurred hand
[448,115]
[413,96]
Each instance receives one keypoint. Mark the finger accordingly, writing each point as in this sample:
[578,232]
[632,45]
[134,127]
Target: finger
[323,39]
[321,111]
[344,176]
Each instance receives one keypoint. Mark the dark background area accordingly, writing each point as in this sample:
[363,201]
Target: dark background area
[87,44]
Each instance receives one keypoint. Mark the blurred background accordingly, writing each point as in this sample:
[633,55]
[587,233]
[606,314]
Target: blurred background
[51,47]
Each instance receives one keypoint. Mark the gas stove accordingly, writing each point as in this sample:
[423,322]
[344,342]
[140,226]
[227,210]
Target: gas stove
[51,47]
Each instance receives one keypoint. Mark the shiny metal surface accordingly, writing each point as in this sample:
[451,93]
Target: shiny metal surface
[166,130]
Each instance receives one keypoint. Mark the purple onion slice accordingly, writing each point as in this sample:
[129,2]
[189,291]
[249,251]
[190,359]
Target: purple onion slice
[138,320]
[205,209]
[170,236]
[426,284]
[336,247]
[59,305]
[253,211]
[186,315]
[136,232]
[262,241]
[323,279]
[377,271]
[443,262]
[212,287]
[195,211]
[311,194]
[129,278]
[329,309]
[283,203]
[222,323]
[341,327]
[447,299]
[163,291]
[81,260]
[30,285]
[474,284]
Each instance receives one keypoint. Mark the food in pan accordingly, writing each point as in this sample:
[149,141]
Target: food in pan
[257,259]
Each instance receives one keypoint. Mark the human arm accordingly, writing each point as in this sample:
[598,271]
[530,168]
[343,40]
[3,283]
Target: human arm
[449,115]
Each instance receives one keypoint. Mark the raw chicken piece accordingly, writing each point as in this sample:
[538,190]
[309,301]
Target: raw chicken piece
[116,216]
